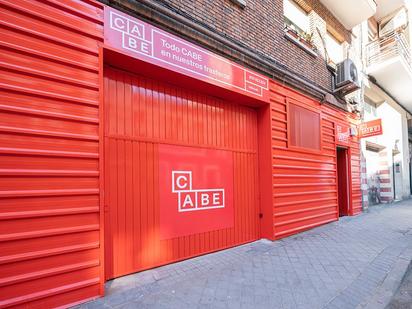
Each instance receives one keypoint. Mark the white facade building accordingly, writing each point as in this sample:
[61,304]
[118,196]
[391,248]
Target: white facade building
[387,94]
[381,50]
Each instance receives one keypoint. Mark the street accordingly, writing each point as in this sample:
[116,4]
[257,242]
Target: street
[357,262]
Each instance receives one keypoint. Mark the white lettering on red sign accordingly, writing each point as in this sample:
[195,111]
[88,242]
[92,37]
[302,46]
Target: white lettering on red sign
[370,128]
[133,44]
[257,80]
[373,129]
[190,199]
[342,136]
[132,34]
[141,39]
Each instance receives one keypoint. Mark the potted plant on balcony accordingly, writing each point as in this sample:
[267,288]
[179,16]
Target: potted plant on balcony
[307,40]
[292,32]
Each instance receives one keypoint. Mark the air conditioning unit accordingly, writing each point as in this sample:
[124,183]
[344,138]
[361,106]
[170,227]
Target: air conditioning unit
[347,79]
[395,21]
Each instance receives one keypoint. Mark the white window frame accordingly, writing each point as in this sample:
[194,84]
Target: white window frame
[299,17]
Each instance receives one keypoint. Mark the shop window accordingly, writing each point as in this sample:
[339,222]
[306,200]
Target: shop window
[372,171]
[304,127]
[334,48]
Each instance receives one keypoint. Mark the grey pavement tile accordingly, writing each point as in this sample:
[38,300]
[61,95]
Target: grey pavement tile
[339,265]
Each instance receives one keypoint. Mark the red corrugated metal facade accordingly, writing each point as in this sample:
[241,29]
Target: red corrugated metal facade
[304,182]
[68,132]
[141,114]
[49,147]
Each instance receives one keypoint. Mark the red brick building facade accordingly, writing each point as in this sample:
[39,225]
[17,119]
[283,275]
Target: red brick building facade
[260,26]
[252,34]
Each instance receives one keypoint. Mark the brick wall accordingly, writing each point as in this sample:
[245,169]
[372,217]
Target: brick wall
[259,26]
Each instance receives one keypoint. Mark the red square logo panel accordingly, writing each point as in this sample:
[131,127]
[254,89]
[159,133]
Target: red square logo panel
[196,190]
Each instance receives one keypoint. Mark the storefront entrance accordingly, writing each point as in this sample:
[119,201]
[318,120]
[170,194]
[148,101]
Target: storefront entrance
[343,184]
[180,173]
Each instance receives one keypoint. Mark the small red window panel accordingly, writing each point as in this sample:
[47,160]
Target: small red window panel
[304,127]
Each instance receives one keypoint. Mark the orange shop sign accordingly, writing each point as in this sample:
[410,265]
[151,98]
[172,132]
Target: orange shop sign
[370,128]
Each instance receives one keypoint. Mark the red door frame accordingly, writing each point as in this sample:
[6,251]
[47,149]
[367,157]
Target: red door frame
[343,175]
[350,193]
[101,171]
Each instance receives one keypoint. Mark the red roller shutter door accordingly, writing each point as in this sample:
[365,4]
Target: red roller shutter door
[142,116]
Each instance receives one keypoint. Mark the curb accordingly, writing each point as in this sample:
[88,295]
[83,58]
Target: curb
[390,285]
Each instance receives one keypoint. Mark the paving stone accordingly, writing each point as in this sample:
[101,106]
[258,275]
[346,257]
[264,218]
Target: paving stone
[339,265]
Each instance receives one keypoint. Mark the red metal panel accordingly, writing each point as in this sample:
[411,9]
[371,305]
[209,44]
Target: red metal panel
[304,181]
[199,183]
[306,127]
[140,114]
[49,166]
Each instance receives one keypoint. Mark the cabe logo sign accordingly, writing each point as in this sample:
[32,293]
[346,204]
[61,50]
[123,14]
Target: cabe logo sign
[342,134]
[189,199]
[145,42]
[195,190]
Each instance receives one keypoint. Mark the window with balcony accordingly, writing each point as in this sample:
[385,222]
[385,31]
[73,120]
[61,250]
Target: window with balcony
[296,21]
[295,17]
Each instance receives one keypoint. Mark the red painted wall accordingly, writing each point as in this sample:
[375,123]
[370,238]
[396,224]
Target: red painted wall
[353,145]
[49,148]
[304,182]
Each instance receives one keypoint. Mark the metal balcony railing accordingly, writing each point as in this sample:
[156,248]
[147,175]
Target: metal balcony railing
[392,45]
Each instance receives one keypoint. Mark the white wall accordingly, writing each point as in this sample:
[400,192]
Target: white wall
[395,127]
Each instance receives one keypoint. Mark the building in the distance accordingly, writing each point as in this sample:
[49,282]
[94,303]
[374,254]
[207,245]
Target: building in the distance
[387,95]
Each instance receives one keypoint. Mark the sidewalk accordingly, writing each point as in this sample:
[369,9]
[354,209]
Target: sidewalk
[357,262]
[403,297]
